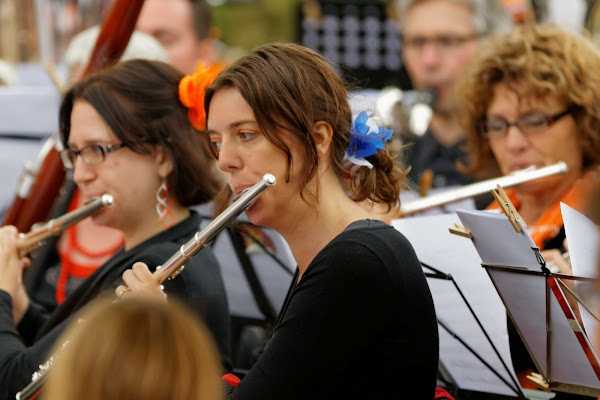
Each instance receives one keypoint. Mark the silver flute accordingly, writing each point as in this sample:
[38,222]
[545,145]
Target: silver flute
[27,242]
[475,189]
[176,263]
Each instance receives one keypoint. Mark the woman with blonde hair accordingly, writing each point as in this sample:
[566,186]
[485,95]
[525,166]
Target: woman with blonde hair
[143,349]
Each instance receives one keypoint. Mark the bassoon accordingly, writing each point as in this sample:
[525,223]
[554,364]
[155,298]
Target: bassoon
[40,186]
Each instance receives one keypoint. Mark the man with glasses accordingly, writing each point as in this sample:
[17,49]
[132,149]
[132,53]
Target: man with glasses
[439,39]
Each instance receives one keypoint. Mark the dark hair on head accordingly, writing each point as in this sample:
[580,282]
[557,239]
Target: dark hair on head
[201,18]
[290,87]
[139,101]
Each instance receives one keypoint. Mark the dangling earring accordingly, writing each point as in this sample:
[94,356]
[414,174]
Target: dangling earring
[162,200]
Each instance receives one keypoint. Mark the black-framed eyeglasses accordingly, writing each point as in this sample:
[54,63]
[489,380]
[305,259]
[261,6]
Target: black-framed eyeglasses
[529,124]
[91,154]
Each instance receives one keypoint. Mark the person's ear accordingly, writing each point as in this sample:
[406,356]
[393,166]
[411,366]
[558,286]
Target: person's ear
[323,136]
[164,161]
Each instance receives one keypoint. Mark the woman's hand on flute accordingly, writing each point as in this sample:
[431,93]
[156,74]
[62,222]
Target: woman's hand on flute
[139,281]
[11,272]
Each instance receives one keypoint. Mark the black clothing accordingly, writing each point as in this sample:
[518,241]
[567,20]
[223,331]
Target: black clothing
[427,153]
[359,324]
[199,285]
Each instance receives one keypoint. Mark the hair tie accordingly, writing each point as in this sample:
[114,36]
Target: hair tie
[192,89]
[366,139]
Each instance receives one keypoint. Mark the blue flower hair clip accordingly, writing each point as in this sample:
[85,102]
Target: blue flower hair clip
[366,139]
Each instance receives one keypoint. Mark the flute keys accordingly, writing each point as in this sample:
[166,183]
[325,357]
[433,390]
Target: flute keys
[177,272]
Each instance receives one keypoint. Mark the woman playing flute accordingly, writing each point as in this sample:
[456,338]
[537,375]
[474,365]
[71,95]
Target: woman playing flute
[358,320]
[531,98]
[125,133]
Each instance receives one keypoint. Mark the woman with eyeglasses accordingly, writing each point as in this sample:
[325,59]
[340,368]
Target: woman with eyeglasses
[532,98]
[125,133]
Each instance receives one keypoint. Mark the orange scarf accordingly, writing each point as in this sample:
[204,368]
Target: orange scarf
[549,224]
[69,266]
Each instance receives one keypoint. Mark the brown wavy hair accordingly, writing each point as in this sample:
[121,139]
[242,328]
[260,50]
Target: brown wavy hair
[135,349]
[290,87]
[536,61]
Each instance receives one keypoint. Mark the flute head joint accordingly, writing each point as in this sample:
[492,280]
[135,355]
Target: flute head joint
[107,199]
[269,179]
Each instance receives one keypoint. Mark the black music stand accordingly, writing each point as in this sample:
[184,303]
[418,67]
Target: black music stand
[512,384]
[546,323]
[537,303]
[474,357]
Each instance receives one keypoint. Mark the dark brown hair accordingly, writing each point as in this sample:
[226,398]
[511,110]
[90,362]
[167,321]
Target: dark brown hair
[290,87]
[537,61]
[139,101]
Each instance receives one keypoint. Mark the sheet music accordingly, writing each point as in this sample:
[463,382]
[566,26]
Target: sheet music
[583,239]
[524,295]
[454,255]
[497,242]
[525,299]
[569,361]
[583,242]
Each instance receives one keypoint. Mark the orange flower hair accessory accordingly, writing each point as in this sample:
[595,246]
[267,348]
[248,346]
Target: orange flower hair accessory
[191,92]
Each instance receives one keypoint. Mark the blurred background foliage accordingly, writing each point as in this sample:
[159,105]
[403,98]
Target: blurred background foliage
[246,24]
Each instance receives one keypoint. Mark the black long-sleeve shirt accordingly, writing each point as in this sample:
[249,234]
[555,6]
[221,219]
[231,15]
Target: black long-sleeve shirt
[359,324]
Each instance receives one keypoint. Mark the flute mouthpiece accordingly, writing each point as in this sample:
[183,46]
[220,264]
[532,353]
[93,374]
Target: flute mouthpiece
[107,199]
[269,179]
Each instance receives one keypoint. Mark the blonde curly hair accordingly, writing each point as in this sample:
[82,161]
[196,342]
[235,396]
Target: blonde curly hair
[535,61]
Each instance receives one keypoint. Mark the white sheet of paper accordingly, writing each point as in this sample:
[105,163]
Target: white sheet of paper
[569,361]
[583,242]
[455,255]
[527,311]
[497,242]
[524,297]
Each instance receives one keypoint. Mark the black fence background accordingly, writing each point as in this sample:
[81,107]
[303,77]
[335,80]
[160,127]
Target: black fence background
[360,38]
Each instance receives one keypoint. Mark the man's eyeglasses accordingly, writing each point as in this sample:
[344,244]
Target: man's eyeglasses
[92,154]
[529,124]
[443,42]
